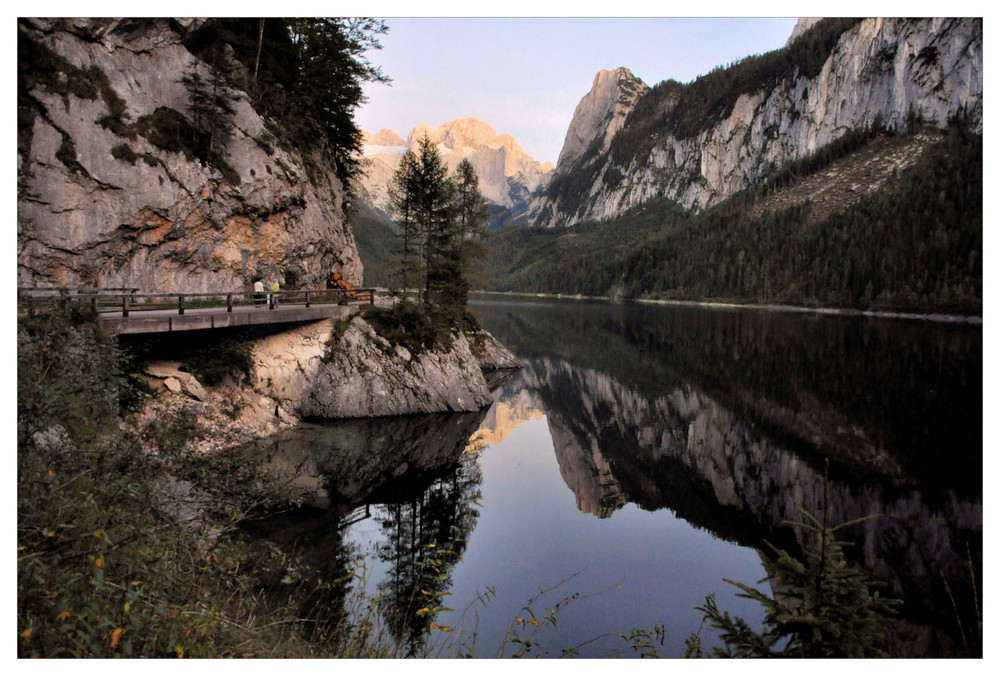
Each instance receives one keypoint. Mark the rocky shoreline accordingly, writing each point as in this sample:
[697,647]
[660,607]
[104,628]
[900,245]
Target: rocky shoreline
[301,375]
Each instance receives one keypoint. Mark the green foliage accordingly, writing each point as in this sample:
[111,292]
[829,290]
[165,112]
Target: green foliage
[821,607]
[123,152]
[67,155]
[415,327]
[211,103]
[914,246]
[305,74]
[375,240]
[686,110]
[210,359]
[110,562]
[333,342]
[588,258]
[169,130]
[440,229]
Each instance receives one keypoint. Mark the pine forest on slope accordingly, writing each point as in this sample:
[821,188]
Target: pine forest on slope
[914,244]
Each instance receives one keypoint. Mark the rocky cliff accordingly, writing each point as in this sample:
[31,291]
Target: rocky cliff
[600,114]
[108,196]
[507,174]
[892,70]
[330,370]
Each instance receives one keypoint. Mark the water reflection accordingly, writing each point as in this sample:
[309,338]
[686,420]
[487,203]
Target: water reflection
[686,437]
[723,418]
[415,476]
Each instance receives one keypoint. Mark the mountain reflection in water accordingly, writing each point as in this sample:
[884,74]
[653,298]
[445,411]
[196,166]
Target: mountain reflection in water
[687,438]
[724,417]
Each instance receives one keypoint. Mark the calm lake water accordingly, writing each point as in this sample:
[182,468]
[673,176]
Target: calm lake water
[642,455]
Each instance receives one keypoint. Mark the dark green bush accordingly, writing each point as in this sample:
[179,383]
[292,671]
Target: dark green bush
[411,326]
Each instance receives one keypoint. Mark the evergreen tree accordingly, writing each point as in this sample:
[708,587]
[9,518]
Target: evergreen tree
[211,101]
[305,74]
[406,254]
[472,216]
[821,606]
[440,227]
[441,254]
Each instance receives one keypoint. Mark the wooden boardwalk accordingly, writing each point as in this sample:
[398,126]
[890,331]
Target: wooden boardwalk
[129,311]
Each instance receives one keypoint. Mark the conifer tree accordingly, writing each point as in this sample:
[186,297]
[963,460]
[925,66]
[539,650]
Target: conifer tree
[821,606]
[440,227]
[471,218]
[211,101]
[441,253]
[402,193]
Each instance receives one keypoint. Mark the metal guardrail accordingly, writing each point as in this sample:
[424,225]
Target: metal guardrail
[132,300]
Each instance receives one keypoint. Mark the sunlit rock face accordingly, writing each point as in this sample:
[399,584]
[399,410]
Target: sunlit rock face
[506,172]
[801,26]
[358,374]
[504,417]
[884,69]
[98,208]
[601,113]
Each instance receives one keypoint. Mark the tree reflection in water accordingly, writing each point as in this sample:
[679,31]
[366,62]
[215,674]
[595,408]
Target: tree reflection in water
[418,478]
[424,538]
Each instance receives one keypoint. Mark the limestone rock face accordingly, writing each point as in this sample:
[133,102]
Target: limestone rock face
[363,376]
[601,113]
[880,68]
[99,208]
[803,24]
[507,174]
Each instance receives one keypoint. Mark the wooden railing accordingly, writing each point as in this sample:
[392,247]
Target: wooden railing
[132,300]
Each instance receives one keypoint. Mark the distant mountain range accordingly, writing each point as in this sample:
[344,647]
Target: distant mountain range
[507,175]
[804,175]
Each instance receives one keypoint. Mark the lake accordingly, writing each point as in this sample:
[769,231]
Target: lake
[642,455]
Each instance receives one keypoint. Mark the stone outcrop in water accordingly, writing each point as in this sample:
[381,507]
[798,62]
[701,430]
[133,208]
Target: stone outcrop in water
[344,463]
[325,370]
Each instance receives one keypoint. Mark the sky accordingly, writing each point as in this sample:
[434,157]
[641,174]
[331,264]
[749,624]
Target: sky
[525,76]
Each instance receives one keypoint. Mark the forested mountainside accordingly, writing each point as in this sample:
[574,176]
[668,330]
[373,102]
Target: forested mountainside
[876,220]
[699,143]
[843,170]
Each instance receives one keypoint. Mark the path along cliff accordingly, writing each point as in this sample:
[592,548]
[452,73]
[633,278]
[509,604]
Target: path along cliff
[110,196]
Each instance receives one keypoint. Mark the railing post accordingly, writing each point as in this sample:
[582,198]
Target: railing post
[180,305]
[371,296]
[307,299]
[93,303]
[229,302]
[125,306]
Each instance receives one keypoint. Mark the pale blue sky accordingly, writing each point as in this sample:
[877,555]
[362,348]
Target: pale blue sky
[525,76]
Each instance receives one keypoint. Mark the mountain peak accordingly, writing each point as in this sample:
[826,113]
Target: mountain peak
[506,172]
[803,24]
[601,113]
[384,137]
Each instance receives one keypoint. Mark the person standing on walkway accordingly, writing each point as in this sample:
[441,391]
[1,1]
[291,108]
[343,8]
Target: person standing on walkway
[274,289]
[258,293]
